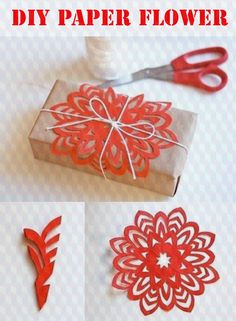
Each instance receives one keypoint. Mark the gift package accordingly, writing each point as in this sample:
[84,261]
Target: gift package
[121,138]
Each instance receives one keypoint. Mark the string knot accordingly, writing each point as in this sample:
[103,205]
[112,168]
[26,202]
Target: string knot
[115,124]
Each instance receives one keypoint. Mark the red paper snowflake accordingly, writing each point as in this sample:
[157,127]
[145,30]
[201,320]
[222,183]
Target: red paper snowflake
[163,261]
[84,142]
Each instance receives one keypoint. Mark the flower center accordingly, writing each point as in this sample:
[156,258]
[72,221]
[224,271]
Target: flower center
[163,260]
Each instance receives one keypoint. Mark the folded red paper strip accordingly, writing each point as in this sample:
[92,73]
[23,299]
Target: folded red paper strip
[163,261]
[42,252]
[110,131]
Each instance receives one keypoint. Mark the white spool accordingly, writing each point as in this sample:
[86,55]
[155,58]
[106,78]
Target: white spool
[103,57]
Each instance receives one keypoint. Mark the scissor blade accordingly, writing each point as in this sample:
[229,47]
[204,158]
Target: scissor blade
[124,80]
[117,82]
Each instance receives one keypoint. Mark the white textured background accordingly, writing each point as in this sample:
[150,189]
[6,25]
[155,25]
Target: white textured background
[28,69]
[17,274]
[107,220]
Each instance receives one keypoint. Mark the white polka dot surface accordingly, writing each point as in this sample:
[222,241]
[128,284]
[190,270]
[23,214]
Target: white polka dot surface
[17,293]
[29,67]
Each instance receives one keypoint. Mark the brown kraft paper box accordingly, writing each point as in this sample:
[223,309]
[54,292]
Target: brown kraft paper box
[165,171]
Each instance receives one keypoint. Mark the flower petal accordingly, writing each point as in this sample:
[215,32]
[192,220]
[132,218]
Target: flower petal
[61,145]
[65,108]
[192,284]
[184,300]
[120,245]
[136,237]
[110,95]
[135,102]
[202,258]
[160,224]
[204,240]
[126,263]
[139,288]
[166,297]
[144,221]
[90,91]
[206,274]
[187,233]
[177,218]
[123,280]
[149,302]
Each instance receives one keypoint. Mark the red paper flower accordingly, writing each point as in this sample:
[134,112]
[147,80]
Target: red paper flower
[84,142]
[163,261]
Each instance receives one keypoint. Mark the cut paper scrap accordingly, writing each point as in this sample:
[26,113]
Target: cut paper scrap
[163,261]
[111,132]
[42,252]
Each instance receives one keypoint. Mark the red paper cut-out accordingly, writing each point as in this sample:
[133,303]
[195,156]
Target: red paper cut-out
[42,254]
[163,261]
[84,142]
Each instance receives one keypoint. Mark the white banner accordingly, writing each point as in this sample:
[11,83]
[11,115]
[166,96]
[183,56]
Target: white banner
[90,18]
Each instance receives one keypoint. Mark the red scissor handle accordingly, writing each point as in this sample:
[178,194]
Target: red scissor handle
[196,79]
[182,63]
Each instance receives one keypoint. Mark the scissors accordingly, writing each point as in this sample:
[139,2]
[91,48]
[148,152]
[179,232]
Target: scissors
[181,71]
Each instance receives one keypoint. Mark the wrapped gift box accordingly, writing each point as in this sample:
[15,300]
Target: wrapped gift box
[163,172]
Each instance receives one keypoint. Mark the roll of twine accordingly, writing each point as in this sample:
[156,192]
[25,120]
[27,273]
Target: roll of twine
[101,55]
